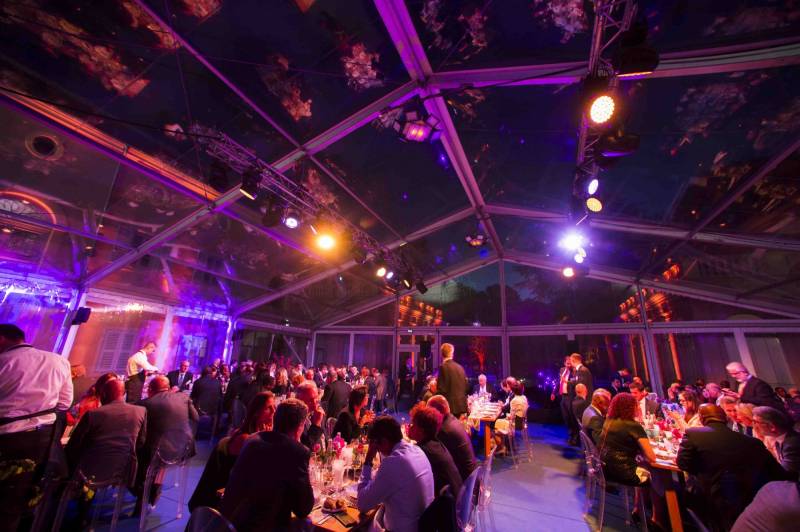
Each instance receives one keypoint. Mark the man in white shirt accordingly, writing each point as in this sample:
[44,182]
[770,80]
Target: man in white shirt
[137,365]
[404,482]
[482,388]
[34,384]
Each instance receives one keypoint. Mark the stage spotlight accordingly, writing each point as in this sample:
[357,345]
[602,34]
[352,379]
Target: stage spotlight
[381,271]
[291,218]
[594,204]
[568,272]
[617,144]
[572,241]
[634,57]
[389,275]
[325,241]
[407,282]
[601,108]
[417,129]
[421,287]
[579,258]
[271,211]
[593,185]
[251,178]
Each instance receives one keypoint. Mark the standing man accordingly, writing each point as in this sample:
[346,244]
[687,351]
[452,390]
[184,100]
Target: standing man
[452,381]
[138,364]
[180,378]
[580,375]
[34,384]
[565,401]
[752,389]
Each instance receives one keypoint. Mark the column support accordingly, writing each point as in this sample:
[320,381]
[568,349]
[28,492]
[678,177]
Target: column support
[505,361]
[313,355]
[350,350]
[650,353]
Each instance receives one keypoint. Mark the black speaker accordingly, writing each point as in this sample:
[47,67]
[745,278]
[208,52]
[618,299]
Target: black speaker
[81,315]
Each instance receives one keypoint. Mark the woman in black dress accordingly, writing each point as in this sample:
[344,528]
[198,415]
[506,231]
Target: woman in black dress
[351,421]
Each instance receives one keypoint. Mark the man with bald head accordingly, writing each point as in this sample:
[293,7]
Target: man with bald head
[105,440]
[581,401]
[716,456]
[171,422]
[753,390]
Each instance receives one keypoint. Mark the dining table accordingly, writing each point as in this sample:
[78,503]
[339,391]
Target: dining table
[485,413]
[668,479]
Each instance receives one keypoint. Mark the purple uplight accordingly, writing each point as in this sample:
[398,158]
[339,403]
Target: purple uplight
[405,196]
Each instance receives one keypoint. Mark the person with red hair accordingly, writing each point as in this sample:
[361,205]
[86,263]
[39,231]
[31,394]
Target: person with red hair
[622,440]
[425,424]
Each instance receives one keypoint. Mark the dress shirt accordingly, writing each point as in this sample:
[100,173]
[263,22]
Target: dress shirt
[403,483]
[773,444]
[181,377]
[743,384]
[642,408]
[32,380]
[137,362]
[482,390]
[564,379]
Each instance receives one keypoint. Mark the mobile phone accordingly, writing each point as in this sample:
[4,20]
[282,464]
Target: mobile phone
[346,519]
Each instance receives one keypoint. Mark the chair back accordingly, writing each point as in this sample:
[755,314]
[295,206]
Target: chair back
[465,504]
[520,422]
[485,486]
[594,464]
[330,423]
[205,519]
[440,515]
[502,426]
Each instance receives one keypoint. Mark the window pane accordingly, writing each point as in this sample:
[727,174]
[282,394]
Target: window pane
[605,354]
[372,350]
[478,354]
[776,357]
[695,355]
[331,349]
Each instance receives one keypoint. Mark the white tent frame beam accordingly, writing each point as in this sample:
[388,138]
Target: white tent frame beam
[681,288]
[651,229]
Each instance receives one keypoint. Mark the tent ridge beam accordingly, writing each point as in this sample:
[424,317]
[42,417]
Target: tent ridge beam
[648,228]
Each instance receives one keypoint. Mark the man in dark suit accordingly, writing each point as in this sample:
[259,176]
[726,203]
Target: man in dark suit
[719,458]
[580,375]
[561,394]
[616,386]
[482,388]
[646,405]
[425,423]
[105,441]
[338,396]
[270,481]
[581,401]
[180,378]
[452,381]
[171,422]
[308,393]
[595,415]
[779,434]
[752,389]
[454,438]
[207,392]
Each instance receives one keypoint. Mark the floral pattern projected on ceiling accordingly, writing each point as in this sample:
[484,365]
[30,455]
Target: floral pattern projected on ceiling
[275,75]
[566,15]
[140,19]
[360,68]
[782,14]
[61,37]
[463,32]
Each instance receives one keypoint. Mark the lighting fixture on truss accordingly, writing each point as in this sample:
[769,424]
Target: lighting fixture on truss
[475,240]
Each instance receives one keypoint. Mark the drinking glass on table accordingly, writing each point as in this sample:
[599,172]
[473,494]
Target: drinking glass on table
[337,466]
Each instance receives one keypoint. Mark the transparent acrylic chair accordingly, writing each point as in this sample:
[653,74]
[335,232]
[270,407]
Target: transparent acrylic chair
[485,495]
[205,519]
[76,486]
[467,502]
[173,452]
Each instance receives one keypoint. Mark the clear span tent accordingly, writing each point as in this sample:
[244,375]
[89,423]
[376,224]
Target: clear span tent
[112,195]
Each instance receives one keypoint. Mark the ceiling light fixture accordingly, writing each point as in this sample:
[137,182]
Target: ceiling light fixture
[568,272]
[594,204]
[291,218]
[601,109]
[251,179]
[325,241]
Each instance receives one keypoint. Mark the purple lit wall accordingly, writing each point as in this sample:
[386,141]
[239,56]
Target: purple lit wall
[39,315]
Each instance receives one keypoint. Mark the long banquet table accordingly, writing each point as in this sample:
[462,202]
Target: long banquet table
[486,413]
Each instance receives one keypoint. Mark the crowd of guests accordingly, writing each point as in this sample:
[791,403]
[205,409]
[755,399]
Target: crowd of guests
[735,441]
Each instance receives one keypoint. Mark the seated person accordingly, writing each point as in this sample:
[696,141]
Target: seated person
[308,393]
[105,441]
[403,483]
[90,400]
[775,507]
[425,424]
[581,401]
[717,457]
[430,390]
[454,437]
[646,405]
[207,392]
[518,406]
[260,414]
[690,401]
[351,421]
[180,379]
[595,414]
[622,440]
[779,436]
[269,481]
[729,406]
[482,388]
[171,423]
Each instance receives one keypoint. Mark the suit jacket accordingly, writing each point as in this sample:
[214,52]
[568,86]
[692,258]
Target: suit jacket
[268,483]
[580,376]
[652,407]
[206,394]
[452,383]
[730,467]
[456,441]
[338,398]
[489,389]
[106,439]
[592,423]
[579,405]
[760,393]
[173,379]
[789,452]
[444,469]
[173,417]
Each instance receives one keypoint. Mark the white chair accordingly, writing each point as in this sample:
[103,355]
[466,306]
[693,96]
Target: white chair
[485,496]
[596,483]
